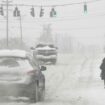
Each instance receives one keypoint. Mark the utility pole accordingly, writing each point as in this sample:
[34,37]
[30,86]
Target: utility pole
[21,31]
[7,21]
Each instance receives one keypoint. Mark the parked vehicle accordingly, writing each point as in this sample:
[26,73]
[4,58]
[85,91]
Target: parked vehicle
[21,75]
[46,53]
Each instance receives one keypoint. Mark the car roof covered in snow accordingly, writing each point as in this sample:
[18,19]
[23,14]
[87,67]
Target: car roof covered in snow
[13,53]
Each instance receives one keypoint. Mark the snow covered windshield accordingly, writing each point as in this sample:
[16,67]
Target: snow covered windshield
[14,62]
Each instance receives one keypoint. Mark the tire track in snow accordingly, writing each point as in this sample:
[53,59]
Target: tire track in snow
[67,83]
[58,78]
[86,73]
[91,75]
[67,88]
[54,83]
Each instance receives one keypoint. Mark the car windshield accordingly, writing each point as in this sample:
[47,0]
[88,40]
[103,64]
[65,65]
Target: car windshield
[52,46]
[40,45]
[43,45]
[14,62]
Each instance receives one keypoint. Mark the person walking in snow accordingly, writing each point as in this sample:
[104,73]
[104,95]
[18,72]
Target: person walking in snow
[102,67]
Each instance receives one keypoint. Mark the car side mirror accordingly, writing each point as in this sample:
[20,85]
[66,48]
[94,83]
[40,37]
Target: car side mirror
[43,68]
[32,48]
[57,48]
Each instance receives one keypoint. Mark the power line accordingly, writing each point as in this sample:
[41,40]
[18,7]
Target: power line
[78,28]
[55,5]
[63,29]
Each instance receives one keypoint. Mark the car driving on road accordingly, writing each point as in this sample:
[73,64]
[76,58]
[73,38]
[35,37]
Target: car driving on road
[46,53]
[21,75]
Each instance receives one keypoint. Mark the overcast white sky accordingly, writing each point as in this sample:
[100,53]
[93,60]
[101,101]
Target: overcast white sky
[87,28]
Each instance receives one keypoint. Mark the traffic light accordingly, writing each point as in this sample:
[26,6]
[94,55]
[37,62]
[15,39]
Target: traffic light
[1,11]
[41,12]
[85,8]
[53,12]
[16,12]
[32,12]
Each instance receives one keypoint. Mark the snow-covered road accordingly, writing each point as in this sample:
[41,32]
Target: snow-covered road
[74,80]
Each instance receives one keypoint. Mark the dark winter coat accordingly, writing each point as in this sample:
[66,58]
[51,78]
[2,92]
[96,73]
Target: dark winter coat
[102,67]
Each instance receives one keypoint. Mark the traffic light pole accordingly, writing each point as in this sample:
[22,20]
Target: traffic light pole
[21,29]
[7,22]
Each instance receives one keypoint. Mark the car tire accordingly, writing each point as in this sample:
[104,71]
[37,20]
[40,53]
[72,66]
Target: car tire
[42,94]
[35,93]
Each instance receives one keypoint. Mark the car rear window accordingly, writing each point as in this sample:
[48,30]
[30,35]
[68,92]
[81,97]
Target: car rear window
[40,45]
[12,62]
[44,45]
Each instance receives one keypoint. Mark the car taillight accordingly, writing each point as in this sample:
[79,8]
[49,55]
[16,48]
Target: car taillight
[31,72]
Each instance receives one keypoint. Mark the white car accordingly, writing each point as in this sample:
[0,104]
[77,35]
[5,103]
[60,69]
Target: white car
[46,53]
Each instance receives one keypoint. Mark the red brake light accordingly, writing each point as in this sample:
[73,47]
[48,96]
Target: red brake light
[31,72]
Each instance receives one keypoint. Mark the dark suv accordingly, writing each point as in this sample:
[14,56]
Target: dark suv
[46,53]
